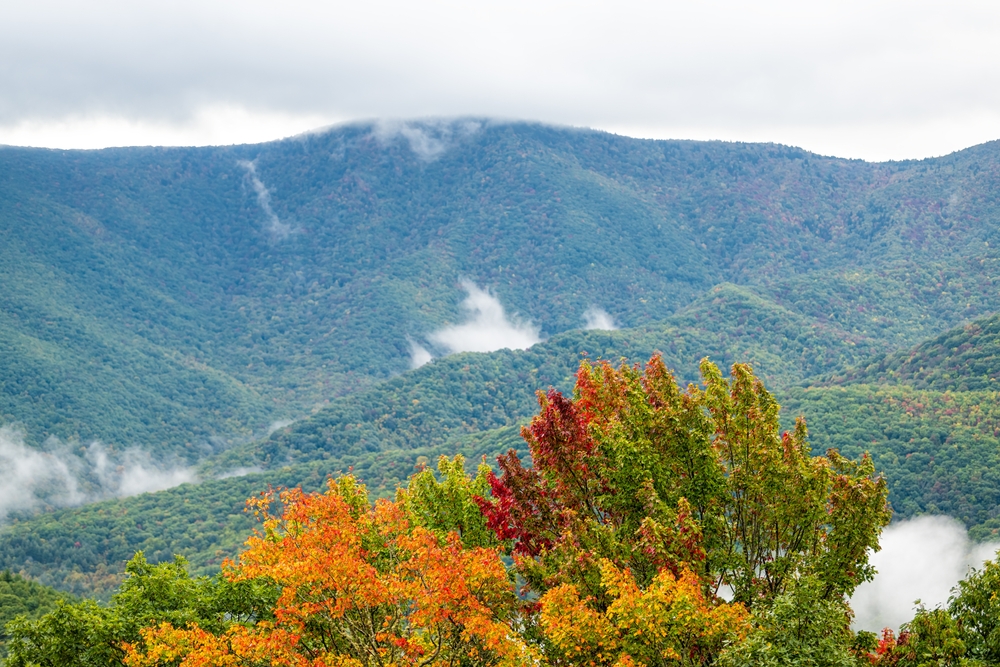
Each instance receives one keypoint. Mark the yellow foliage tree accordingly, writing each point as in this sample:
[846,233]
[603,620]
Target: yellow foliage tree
[670,622]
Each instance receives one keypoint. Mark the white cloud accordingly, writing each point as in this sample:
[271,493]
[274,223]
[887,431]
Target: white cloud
[922,558]
[852,78]
[58,477]
[486,328]
[133,472]
[598,318]
[278,424]
[275,227]
[428,139]
[31,478]
[239,472]
[419,355]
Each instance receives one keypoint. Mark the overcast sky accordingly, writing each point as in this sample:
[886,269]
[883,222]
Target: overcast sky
[874,80]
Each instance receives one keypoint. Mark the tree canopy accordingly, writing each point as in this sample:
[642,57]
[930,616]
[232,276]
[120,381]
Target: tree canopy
[656,525]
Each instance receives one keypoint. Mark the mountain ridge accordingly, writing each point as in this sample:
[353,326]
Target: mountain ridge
[174,248]
[185,301]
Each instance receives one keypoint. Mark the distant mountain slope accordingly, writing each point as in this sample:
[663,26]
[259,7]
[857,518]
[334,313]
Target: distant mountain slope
[939,450]
[467,393]
[165,297]
[963,359]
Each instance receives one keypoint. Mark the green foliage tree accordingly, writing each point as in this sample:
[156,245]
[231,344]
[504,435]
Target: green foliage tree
[20,597]
[85,634]
[801,627]
[649,476]
[975,606]
[448,505]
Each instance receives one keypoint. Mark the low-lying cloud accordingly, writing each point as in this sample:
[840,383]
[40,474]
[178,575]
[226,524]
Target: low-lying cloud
[61,476]
[31,478]
[275,227]
[486,328]
[921,559]
[428,139]
[419,355]
[598,318]
[278,424]
[131,473]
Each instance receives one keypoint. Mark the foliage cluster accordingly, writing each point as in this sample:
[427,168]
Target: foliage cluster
[20,597]
[85,633]
[644,499]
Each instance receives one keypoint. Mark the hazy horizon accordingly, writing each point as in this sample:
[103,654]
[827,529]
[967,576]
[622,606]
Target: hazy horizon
[876,81]
[375,122]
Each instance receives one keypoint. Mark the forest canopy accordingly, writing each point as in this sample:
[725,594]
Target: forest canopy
[656,525]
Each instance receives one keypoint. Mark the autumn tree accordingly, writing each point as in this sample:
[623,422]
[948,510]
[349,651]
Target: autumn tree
[931,639]
[636,470]
[361,585]
[670,622]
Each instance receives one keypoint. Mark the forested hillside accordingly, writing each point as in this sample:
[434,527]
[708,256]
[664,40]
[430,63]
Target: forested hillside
[963,359]
[165,296]
[940,451]
[189,301]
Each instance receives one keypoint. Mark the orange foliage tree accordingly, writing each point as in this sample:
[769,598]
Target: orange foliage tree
[361,586]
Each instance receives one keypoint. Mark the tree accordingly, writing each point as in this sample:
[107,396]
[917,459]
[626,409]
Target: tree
[800,627]
[360,586]
[976,609]
[650,476]
[85,634]
[931,639]
[671,622]
[449,505]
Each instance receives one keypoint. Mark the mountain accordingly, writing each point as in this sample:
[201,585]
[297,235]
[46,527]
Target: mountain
[248,312]
[184,299]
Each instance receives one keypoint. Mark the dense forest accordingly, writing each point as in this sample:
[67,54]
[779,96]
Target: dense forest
[248,316]
[180,299]
[655,525]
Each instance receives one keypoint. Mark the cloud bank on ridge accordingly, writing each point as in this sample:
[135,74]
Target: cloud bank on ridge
[32,479]
[598,318]
[486,328]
